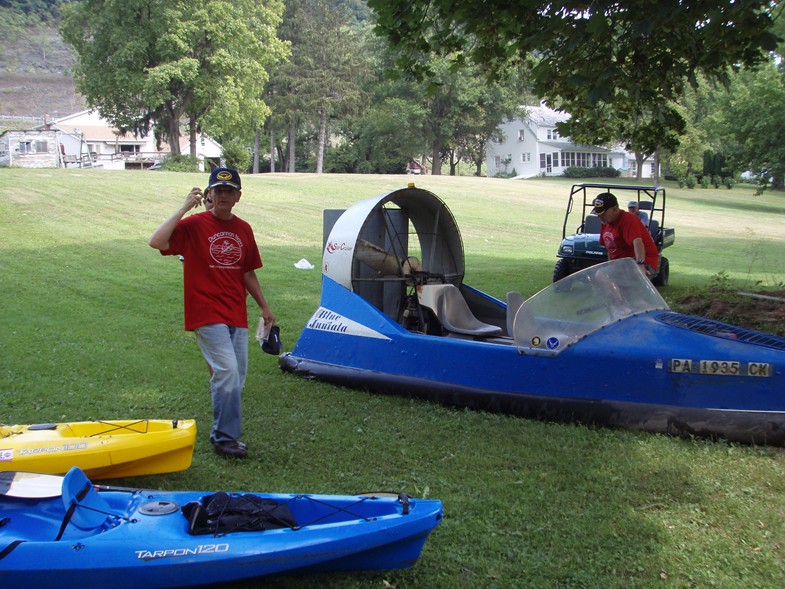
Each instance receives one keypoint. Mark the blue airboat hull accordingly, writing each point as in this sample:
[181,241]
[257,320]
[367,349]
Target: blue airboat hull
[144,539]
[622,376]
[654,370]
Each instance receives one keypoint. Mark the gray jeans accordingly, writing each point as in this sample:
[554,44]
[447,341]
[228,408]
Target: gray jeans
[225,349]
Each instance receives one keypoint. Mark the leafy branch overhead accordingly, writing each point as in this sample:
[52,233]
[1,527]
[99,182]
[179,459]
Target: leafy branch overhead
[631,58]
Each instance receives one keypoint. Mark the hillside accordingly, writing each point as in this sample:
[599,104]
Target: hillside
[35,67]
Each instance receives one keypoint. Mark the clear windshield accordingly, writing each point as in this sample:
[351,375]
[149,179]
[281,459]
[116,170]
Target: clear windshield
[568,310]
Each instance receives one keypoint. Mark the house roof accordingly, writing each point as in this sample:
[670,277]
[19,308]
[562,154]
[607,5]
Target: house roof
[92,127]
[543,116]
[101,133]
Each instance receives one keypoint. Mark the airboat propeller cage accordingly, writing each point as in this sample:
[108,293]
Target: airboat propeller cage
[382,243]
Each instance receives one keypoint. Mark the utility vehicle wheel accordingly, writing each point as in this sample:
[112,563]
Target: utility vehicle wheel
[561,270]
[662,276]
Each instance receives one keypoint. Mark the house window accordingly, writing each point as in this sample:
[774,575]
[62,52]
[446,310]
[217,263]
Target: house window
[26,147]
[552,134]
[542,160]
[583,160]
[526,157]
[497,161]
[41,146]
[653,169]
[521,135]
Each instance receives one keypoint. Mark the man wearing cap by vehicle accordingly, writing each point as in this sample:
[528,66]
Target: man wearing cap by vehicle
[634,208]
[623,235]
[221,258]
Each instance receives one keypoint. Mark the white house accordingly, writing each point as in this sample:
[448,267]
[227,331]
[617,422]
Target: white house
[86,140]
[532,146]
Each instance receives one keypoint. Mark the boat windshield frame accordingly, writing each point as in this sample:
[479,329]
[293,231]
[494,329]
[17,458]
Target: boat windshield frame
[567,311]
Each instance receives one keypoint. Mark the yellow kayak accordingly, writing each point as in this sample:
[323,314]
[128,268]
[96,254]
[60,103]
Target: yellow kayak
[102,449]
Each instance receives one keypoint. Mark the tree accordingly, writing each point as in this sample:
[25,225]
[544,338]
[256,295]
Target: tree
[694,107]
[381,140]
[462,112]
[148,64]
[324,74]
[621,55]
[749,121]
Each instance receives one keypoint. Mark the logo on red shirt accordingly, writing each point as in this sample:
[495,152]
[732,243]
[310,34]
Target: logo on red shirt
[226,248]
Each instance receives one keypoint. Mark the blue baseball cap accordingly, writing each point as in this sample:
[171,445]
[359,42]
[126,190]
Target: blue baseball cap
[224,177]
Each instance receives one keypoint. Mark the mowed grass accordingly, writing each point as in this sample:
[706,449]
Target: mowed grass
[91,328]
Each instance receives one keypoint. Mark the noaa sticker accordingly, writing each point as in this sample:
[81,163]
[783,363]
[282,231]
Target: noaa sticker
[6,454]
[552,343]
[536,341]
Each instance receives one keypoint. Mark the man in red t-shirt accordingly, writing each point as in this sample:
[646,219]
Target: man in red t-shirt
[220,259]
[623,234]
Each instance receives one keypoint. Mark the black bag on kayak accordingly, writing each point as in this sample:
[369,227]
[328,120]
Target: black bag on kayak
[223,513]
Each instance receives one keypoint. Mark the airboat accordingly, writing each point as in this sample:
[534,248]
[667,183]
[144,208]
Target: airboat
[600,346]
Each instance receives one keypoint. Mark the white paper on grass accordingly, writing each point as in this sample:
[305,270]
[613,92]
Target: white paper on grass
[304,265]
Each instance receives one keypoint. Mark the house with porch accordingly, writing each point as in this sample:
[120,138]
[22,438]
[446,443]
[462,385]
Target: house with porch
[532,146]
[86,136]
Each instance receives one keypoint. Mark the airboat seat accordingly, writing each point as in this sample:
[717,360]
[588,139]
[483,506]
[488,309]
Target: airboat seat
[654,229]
[514,302]
[447,302]
[592,224]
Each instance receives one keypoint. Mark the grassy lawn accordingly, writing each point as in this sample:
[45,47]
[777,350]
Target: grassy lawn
[91,328]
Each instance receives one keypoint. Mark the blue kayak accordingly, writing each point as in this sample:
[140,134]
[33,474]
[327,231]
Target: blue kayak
[96,536]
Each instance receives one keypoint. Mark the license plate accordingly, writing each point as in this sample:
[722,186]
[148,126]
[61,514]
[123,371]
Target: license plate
[720,367]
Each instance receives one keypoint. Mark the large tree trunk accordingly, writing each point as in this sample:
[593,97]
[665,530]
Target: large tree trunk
[256,143]
[173,129]
[292,138]
[322,137]
[192,136]
[436,158]
[656,175]
[453,162]
[639,165]
[272,150]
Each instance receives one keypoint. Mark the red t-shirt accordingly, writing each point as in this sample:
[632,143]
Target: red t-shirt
[217,255]
[618,236]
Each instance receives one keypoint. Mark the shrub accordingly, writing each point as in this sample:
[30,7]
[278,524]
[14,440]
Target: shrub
[236,156]
[180,163]
[690,181]
[704,182]
[603,172]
